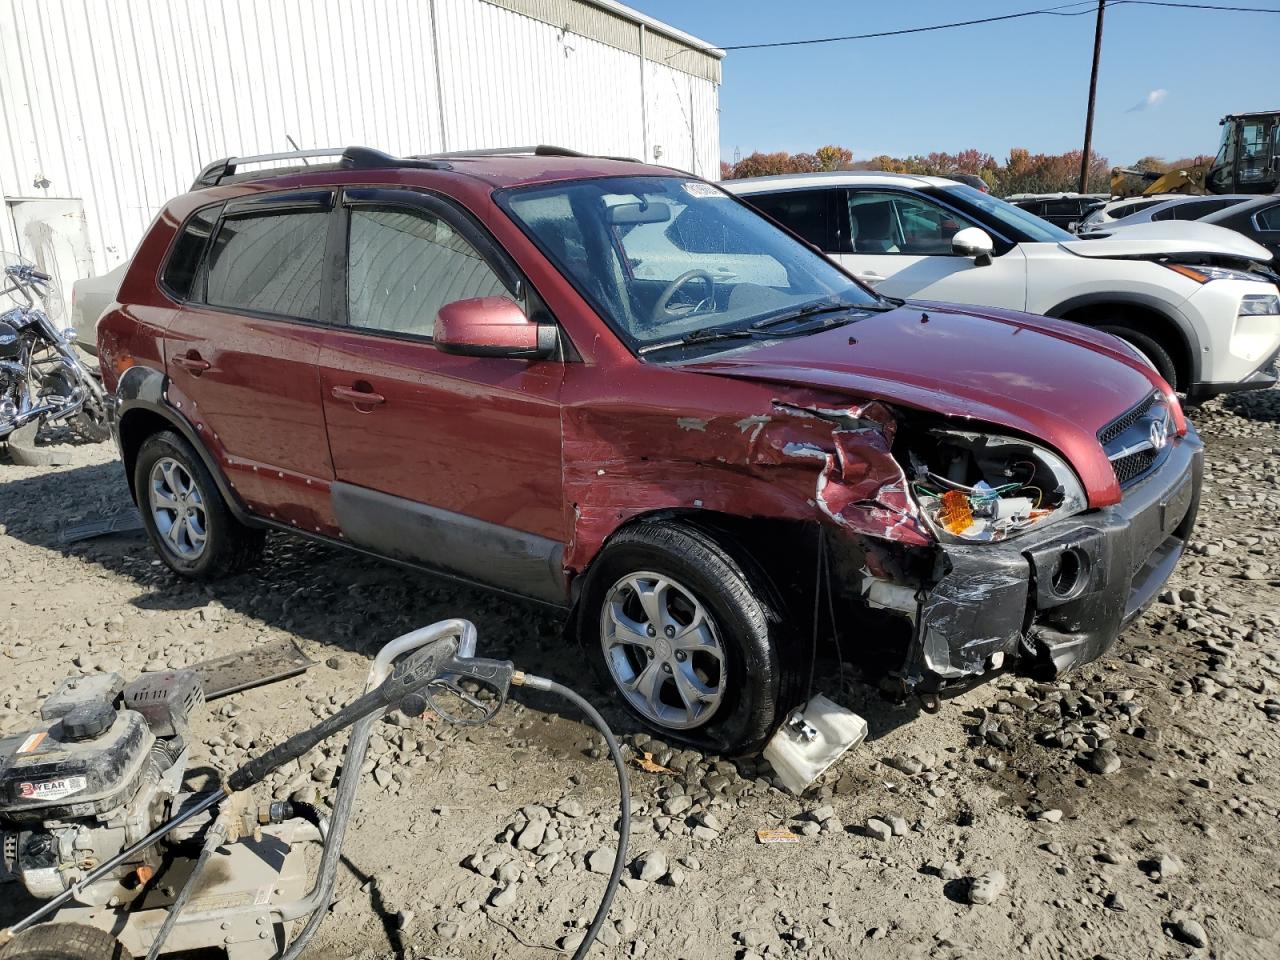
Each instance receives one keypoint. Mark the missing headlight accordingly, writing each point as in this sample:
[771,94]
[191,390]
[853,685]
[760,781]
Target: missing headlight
[976,488]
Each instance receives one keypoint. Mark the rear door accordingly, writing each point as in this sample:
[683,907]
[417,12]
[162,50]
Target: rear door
[241,353]
[446,460]
[899,242]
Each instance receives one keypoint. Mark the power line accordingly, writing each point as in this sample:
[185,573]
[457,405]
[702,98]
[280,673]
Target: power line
[1063,10]
[1049,11]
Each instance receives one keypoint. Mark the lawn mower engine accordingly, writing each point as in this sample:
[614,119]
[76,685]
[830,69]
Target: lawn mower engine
[104,768]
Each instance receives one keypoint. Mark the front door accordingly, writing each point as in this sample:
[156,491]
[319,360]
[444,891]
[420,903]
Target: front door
[440,459]
[241,352]
[899,242]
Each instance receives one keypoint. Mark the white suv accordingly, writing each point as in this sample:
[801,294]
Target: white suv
[1197,302]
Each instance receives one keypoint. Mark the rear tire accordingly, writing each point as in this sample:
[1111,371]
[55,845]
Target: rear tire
[688,578]
[63,941]
[188,521]
[1145,344]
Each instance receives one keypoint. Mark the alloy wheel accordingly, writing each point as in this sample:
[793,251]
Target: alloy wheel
[177,507]
[663,650]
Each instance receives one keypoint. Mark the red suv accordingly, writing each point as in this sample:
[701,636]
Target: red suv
[615,389]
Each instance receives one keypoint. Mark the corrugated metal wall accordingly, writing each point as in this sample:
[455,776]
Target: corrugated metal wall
[121,103]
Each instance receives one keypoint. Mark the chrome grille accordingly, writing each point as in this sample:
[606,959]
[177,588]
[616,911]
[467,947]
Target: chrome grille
[1133,466]
[1128,440]
[1116,427]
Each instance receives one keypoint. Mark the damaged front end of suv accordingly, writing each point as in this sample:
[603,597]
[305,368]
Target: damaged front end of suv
[1019,570]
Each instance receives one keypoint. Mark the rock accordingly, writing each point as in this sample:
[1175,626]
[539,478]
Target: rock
[651,866]
[505,897]
[570,808]
[822,814]
[1103,761]
[950,871]
[878,829]
[1188,931]
[601,860]
[985,889]
[904,764]
[446,930]
[676,806]
[1167,864]
[531,837]
[898,825]
[1049,816]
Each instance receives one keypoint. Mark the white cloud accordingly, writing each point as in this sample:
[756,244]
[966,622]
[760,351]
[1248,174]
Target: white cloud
[1152,99]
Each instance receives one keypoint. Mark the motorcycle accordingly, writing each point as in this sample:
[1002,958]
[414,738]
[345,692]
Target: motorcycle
[42,378]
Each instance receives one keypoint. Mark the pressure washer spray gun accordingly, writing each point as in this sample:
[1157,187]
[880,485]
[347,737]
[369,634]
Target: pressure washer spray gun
[94,818]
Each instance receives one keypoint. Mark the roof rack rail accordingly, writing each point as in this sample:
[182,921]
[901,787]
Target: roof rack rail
[350,158]
[540,150]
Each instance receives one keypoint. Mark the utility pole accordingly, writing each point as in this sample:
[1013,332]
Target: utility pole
[1093,94]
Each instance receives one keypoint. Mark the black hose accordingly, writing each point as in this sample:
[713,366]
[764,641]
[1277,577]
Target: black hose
[624,803]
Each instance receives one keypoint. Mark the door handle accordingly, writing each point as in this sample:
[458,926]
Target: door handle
[868,276]
[357,396]
[193,363]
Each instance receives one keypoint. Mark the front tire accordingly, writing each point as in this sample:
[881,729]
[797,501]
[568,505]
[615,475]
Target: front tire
[1150,348]
[680,630]
[186,518]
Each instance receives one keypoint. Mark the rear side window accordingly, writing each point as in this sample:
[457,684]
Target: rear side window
[1268,219]
[805,212]
[404,265]
[269,264]
[188,250]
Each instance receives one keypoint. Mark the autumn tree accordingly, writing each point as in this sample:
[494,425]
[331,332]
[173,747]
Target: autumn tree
[832,157]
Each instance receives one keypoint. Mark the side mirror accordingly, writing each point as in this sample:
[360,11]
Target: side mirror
[492,327]
[973,242]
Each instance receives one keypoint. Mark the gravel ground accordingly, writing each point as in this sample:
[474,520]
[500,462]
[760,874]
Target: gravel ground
[1129,811]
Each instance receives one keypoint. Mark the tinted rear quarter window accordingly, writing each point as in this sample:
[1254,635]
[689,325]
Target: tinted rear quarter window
[269,264]
[805,212]
[188,250]
[1268,218]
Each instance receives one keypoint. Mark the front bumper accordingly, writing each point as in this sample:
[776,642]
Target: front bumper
[1265,376]
[1057,598]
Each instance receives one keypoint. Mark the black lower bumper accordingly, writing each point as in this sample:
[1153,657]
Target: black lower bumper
[1265,376]
[1058,597]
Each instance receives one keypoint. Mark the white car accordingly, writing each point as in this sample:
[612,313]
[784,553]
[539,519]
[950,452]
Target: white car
[1175,208]
[89,297]
[1124,207]
[1194,300]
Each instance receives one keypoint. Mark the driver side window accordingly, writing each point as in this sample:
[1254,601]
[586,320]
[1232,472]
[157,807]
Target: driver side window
[901,223]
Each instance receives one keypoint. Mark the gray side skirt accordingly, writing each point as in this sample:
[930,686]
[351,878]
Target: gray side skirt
[488,553]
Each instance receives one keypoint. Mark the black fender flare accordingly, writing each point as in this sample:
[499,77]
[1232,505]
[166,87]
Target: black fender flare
[1118,298]
[143,388]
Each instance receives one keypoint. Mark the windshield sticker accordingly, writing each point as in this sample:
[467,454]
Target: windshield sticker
[701,190]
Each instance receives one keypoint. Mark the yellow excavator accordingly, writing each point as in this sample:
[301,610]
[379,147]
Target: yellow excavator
[1248,161]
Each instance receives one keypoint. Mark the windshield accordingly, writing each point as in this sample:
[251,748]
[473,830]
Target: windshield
[667,258]
[1024,225]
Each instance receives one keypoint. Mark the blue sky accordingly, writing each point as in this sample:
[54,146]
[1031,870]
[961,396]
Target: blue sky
[992,86]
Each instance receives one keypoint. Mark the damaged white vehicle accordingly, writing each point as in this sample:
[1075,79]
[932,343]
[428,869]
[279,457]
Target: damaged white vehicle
[1198,302]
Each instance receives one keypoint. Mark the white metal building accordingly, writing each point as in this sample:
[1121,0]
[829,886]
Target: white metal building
[110,107]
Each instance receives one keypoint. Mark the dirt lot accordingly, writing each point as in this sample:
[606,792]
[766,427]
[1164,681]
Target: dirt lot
[1163,843]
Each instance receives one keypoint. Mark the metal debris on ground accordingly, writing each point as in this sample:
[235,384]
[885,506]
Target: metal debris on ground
[126,522]
[251,668]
